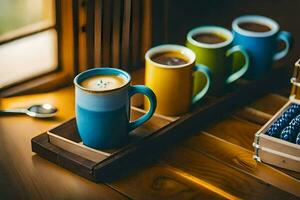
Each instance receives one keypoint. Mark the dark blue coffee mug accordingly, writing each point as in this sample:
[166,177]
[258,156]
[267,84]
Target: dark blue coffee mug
[261,46]
[103,116]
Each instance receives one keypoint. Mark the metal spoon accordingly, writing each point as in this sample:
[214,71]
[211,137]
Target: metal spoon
[39,111]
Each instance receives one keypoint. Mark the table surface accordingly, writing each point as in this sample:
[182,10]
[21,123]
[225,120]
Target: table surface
[215,163]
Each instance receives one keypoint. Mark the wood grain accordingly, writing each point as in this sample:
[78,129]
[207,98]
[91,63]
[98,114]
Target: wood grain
[240,132]
[98,33]
[161,182]
[186,176]
[63,146]
[280,159]
[235,131]
[269,104]
[146,37]
[82,35]
[67,37]
[216,166]
[262,110]
[241,159]
[135,30]
[253,115]
[162,136]
[90,33]
[175,132]
[126,35]
[116,33]
[235,183]
[24,175]
[106,33]
[78,149]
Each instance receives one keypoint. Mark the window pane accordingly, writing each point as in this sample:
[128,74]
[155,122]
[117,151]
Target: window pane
[17,16]
[28,57]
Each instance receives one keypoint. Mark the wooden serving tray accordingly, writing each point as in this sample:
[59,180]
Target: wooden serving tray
[62,145]
[66,145]
[66,136]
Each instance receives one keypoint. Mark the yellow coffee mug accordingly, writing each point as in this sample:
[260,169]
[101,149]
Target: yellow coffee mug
[173,84]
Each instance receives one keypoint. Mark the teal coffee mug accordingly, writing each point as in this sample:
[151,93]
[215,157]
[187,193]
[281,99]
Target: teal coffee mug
[260,37]
[214,48]
[102,98]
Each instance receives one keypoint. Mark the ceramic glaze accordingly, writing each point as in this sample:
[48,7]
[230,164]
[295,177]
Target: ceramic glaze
[174,84]
[262,46]
[102,116]
[217,57]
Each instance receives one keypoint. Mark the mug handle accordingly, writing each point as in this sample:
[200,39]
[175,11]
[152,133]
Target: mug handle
[206,71]
[152,98]
[235,76]
[286,37]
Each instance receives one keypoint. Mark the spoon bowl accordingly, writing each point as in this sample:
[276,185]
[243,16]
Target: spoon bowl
[41,111]
[38,111]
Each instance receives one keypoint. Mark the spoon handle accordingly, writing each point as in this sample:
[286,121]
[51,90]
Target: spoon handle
[14,111]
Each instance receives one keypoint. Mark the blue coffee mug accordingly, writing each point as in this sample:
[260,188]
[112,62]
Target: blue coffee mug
[103,116]
[261,46]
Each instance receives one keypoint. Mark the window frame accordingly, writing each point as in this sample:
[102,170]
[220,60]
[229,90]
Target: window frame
[64,73]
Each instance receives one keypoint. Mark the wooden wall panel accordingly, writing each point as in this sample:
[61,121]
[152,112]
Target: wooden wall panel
[135,36]
[111,33]
[82,41]
[183,16]
[125,30]
[116,33]
[97,32]
[90,10]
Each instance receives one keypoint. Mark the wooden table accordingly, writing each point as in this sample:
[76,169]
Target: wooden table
[215,163]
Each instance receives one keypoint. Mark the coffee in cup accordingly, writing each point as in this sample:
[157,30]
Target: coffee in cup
[260,36]
[103,82]
[213,48]
[170,58]
[102,97]
[255,27]
[209,38]
[170,71]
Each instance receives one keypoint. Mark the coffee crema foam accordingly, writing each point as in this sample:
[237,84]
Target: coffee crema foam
[103,82]
[170,58]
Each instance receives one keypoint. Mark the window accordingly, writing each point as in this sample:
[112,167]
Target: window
[28,40]
[36,45]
